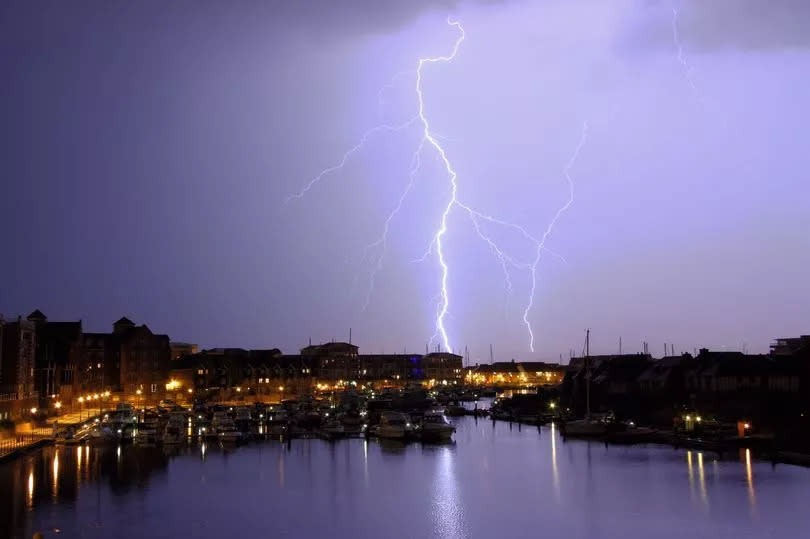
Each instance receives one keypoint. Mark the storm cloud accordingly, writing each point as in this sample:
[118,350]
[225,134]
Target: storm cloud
[147,149]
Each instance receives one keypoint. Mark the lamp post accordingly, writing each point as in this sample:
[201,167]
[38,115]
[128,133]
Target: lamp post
[138,398]
[81,407]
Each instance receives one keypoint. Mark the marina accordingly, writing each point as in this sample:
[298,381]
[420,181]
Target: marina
[493,479]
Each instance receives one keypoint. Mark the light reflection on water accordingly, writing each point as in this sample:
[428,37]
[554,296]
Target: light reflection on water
[555,474]
[55,476]
[496,480]
[447,512]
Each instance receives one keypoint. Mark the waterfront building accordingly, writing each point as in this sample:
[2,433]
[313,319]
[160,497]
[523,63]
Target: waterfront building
[55,342]
[332,361]
[516,374]
[443,366]
[18,395]
[17,357]
[792,347]
[180,349]
[143,358]
[95,366]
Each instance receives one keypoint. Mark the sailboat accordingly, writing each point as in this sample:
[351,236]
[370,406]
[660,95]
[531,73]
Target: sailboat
[589,426]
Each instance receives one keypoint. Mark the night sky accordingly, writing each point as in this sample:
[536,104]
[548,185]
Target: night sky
[147,149]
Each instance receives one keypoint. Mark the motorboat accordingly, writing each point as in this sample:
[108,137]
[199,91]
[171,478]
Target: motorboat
[333,428]
[123,422]
[454,410]
[101,434]
[586,427]
[394,426]
[435,427]
[148,428]
[243,420]
[224,428]
[277,422]
[175,430]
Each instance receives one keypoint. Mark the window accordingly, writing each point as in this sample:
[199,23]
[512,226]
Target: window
[154,388]
[200,371]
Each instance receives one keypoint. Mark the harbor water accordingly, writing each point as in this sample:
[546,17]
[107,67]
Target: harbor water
[495,480]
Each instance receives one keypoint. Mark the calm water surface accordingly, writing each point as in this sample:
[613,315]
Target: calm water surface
[494,481]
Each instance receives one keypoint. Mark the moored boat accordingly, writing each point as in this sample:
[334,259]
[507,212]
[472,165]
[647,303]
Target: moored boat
[224,428]
[435,427]
[174,432]
[394,426]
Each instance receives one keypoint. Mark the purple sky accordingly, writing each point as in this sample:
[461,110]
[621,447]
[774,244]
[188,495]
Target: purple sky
[148,147]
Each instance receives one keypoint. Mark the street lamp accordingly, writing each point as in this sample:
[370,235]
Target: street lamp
[81,407]
[138,398]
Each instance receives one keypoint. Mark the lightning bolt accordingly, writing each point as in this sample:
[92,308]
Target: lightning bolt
[430,139]
[541,244]
[444,304]
[688,72]
[382,241]
[356,148]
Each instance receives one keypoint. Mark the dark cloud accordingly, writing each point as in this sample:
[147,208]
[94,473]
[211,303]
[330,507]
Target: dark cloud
[712,25]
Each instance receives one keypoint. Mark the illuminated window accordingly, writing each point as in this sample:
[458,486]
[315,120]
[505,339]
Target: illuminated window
[154,388]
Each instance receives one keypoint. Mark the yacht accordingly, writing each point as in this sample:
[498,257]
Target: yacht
[123,422]
[395,426]
[455,410]
[175,431]
[589,426]
[332,429]
[435,427]
[224,428]
[243,420]
[277,422]
[148,428]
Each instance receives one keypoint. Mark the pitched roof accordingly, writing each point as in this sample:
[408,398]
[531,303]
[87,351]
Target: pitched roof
[124,321]
[37,316]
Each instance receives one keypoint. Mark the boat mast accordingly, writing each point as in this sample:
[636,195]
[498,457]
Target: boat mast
[587,374]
